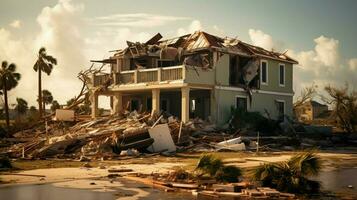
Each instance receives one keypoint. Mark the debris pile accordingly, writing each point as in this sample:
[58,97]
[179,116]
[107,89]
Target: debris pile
[110,135]
[181,180]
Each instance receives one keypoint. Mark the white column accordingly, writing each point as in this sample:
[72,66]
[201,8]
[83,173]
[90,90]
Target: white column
[185,107]
[155,100]
[117,103]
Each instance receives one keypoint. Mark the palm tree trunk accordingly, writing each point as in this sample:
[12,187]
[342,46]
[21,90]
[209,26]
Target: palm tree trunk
[39,92]
[44,108]
[6,106]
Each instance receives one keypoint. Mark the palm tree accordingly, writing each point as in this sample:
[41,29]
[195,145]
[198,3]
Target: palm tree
[9,79]
[292,175]
[46,99]
[55,105]
[21,106]
[44,63]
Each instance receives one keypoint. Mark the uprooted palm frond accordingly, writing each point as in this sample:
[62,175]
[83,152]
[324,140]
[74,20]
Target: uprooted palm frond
[292,175]
[209,164]
[306,163]
[228,174]
[214,167]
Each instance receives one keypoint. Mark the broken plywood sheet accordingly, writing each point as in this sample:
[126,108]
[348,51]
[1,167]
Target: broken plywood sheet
[162,139]
[64,115]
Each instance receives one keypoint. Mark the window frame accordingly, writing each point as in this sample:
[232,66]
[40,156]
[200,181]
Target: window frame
[284,79]
[242,97]
[284,103]
[261,72]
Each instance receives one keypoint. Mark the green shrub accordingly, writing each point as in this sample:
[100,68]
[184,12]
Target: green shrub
[255,120]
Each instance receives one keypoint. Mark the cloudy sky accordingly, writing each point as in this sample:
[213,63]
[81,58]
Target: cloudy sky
[320,34]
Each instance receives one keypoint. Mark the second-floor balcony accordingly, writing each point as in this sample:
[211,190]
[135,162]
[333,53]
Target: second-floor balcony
[156,75]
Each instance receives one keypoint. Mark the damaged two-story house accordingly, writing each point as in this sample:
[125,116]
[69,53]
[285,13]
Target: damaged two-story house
[196,75]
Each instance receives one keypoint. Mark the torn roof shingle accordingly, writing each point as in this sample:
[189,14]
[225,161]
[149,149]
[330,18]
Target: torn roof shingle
[200,40]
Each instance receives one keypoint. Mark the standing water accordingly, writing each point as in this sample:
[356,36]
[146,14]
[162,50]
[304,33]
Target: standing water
[339,180]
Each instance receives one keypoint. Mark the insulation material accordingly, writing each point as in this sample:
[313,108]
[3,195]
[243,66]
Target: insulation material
[250,71]
[197,60]
[162,139]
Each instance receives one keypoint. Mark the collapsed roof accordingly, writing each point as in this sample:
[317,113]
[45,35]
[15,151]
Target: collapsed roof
[200,40]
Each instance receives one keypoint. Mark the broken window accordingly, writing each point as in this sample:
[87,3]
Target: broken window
[234,73]
[264,72]
[281,107]
[138,63]
[241,103]
[281,74]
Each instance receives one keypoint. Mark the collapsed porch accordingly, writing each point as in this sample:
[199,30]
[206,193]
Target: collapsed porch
[182,102]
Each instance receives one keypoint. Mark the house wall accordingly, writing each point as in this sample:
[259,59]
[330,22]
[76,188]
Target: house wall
[225,99]
[318,110]
[200,76]
[222,70]
[273,77]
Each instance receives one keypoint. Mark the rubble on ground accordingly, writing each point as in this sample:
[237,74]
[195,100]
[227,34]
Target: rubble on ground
[129,133]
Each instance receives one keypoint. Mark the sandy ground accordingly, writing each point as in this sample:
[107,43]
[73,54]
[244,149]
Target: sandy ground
[96,178]
[65,174]
[331,162]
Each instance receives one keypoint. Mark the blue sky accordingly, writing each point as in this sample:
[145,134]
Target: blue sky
[321,34]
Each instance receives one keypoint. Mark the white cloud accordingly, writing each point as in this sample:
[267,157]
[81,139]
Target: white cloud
[194,26]
[135,20]
[60,34]
[17,51]
[261,39]
[353,64]
[321,65]
[15,24]
[327,51]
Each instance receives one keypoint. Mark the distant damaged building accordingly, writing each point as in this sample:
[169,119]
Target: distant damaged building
[196,75]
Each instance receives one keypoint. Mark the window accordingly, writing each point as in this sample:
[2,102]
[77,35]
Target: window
[241,103]
[281,75]
[264,72]
[281,107]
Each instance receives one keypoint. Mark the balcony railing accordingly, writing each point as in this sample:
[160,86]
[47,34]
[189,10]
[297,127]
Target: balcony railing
[150,75]
[172,73]
[157,75]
